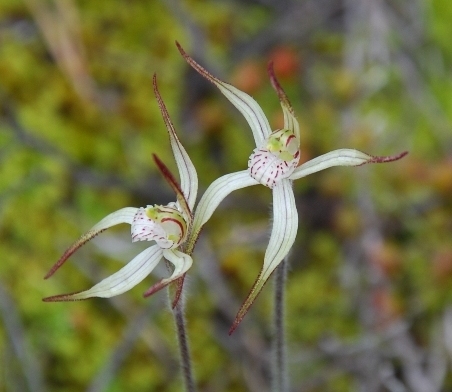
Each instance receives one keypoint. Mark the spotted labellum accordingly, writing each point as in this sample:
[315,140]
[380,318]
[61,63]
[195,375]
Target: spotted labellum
[163,224]
[276,159]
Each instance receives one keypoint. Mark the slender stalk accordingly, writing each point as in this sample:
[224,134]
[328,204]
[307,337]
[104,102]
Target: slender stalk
[280,382]
[184,351]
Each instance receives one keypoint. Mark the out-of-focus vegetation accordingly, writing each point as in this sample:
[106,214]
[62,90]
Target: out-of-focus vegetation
[370,284]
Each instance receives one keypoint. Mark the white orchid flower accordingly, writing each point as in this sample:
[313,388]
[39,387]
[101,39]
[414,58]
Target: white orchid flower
[169,226]
[274,163]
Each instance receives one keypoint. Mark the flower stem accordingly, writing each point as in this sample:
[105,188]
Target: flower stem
[182,338]
[279,367]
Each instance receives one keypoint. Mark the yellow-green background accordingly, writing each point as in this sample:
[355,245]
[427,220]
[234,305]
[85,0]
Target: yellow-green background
[371,271]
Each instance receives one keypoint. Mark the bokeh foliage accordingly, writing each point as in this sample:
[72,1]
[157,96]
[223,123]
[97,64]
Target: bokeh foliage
[78,125]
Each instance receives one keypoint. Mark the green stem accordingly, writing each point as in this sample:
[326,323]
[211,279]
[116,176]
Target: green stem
[279,367]
[184,351]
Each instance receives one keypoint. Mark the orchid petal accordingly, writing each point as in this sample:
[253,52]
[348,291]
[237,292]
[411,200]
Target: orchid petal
[123,280]
[342,157]
[214,195]
[183,204]
[182,263]
[249,108]
[285,226]
[187,171]
[124,215]
[284,231]
[290,121]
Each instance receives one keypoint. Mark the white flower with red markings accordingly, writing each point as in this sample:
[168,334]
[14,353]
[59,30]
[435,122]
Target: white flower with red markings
[274,163]
[163,224]
[276,159]
[169,226]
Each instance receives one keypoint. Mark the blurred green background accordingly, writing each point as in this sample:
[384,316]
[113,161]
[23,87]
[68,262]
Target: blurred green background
[370,283]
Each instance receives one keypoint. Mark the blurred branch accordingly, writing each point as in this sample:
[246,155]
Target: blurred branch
[424,100]
[60,27]
[356,358]
[370,26]
[16,333]
[383,34]
[413,360]
[367,34]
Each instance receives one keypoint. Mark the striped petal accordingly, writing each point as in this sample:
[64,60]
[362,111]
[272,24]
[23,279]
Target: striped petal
[242,101]
[213,196]
[124,215]
[123,280]
[169,178]
[284,231]
[290,121]
[187,171]
[342,157]
[182,263]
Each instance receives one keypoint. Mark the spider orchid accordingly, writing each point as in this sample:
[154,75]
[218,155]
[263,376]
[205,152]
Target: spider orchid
[169,226]
[274,163]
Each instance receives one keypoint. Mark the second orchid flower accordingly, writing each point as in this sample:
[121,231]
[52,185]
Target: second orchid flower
[274,164]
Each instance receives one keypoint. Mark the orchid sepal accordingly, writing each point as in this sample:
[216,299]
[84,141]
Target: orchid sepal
[249,108]
[181,200]
[290,121]
[124,215]
[182,263]
[213,196]
[284,231]
[121,281]
[341,157]
[187,171]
